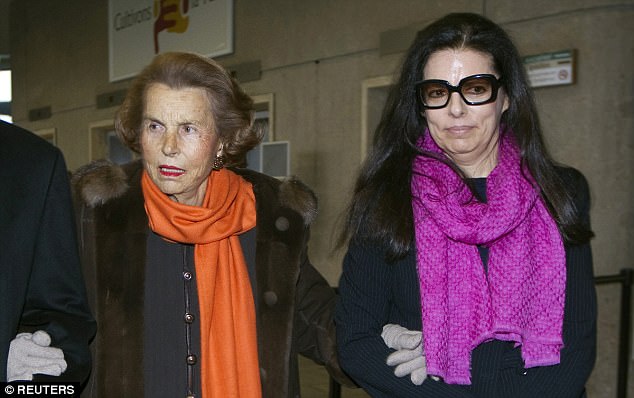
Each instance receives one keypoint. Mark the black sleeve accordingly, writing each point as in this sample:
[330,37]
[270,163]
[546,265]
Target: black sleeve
[56,298]
[314,321]
[363,308]
[568,379]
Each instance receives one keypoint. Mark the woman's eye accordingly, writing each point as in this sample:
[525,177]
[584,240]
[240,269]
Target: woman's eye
[477,89]
[437,93]
[189,129]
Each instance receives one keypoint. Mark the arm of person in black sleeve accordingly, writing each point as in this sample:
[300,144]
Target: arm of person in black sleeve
[56,298]
[314,323]
[578,355]
[363,309]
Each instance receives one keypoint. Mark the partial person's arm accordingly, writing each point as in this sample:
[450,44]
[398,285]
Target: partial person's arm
[314,323]
[363,309]
[56,298]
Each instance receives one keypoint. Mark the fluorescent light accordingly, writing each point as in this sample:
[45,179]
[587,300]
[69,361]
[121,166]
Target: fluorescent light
[5,86]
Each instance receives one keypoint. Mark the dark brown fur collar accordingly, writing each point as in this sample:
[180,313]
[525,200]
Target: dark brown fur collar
[101,181]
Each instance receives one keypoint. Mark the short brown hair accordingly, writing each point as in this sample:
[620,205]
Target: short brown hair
[231,109]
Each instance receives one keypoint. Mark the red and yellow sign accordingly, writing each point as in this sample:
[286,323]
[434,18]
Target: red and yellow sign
[140,29]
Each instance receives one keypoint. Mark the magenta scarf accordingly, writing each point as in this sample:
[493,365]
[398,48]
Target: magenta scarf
[520,298]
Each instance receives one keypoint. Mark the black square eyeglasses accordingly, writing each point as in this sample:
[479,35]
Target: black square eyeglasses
[474,90]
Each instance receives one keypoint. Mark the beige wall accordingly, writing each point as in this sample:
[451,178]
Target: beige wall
[315,56]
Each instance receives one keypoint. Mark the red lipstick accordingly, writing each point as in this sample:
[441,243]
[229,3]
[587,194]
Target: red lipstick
[170,171]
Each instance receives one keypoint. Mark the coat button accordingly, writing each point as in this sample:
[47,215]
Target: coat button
[189,318]
[262,374]
[187,275]
[270,298]
[282,224]
[191,359]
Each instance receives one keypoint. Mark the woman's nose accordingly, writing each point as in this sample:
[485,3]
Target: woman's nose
[170,144]
[456,105]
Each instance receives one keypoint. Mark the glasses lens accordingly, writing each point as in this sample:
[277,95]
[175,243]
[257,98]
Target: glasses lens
[477,90]
[434,94]
[474,90]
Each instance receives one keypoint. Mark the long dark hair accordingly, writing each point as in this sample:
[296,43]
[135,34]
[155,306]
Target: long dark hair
[380,210]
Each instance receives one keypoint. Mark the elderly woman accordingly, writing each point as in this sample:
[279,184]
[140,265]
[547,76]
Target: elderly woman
[468,255]
[203,285]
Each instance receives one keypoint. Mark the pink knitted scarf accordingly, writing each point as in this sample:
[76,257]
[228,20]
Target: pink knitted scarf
[520,298]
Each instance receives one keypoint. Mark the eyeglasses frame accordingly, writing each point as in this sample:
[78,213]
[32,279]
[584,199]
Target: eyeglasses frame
[495,86]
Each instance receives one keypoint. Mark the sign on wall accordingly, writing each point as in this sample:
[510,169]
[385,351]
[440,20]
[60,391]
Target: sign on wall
[140,29]
[550,69]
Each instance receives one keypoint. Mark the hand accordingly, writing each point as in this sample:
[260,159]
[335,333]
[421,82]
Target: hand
[30,354]
[408,357]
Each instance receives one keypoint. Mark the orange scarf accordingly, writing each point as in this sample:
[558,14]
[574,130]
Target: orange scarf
[227,312]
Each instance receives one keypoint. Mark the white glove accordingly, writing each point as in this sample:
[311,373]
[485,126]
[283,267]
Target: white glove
[30,354]
[408,357]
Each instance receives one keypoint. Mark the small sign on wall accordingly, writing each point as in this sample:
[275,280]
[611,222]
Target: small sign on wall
[140,29]
[551,69]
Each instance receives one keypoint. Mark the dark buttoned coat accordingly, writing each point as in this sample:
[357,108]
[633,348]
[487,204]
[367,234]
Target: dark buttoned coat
[294,303]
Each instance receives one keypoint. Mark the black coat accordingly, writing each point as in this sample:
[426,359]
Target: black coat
[41,285]
[374,293]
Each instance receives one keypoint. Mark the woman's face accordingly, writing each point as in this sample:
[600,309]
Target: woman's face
[467,134]
[178,141]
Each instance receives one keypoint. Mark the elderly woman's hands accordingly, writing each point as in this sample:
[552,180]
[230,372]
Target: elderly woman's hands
[408,357]
[30,354]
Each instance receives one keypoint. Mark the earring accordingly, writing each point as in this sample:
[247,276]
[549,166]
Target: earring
[219,162]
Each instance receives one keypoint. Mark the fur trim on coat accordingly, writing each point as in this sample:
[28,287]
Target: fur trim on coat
[101,181]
